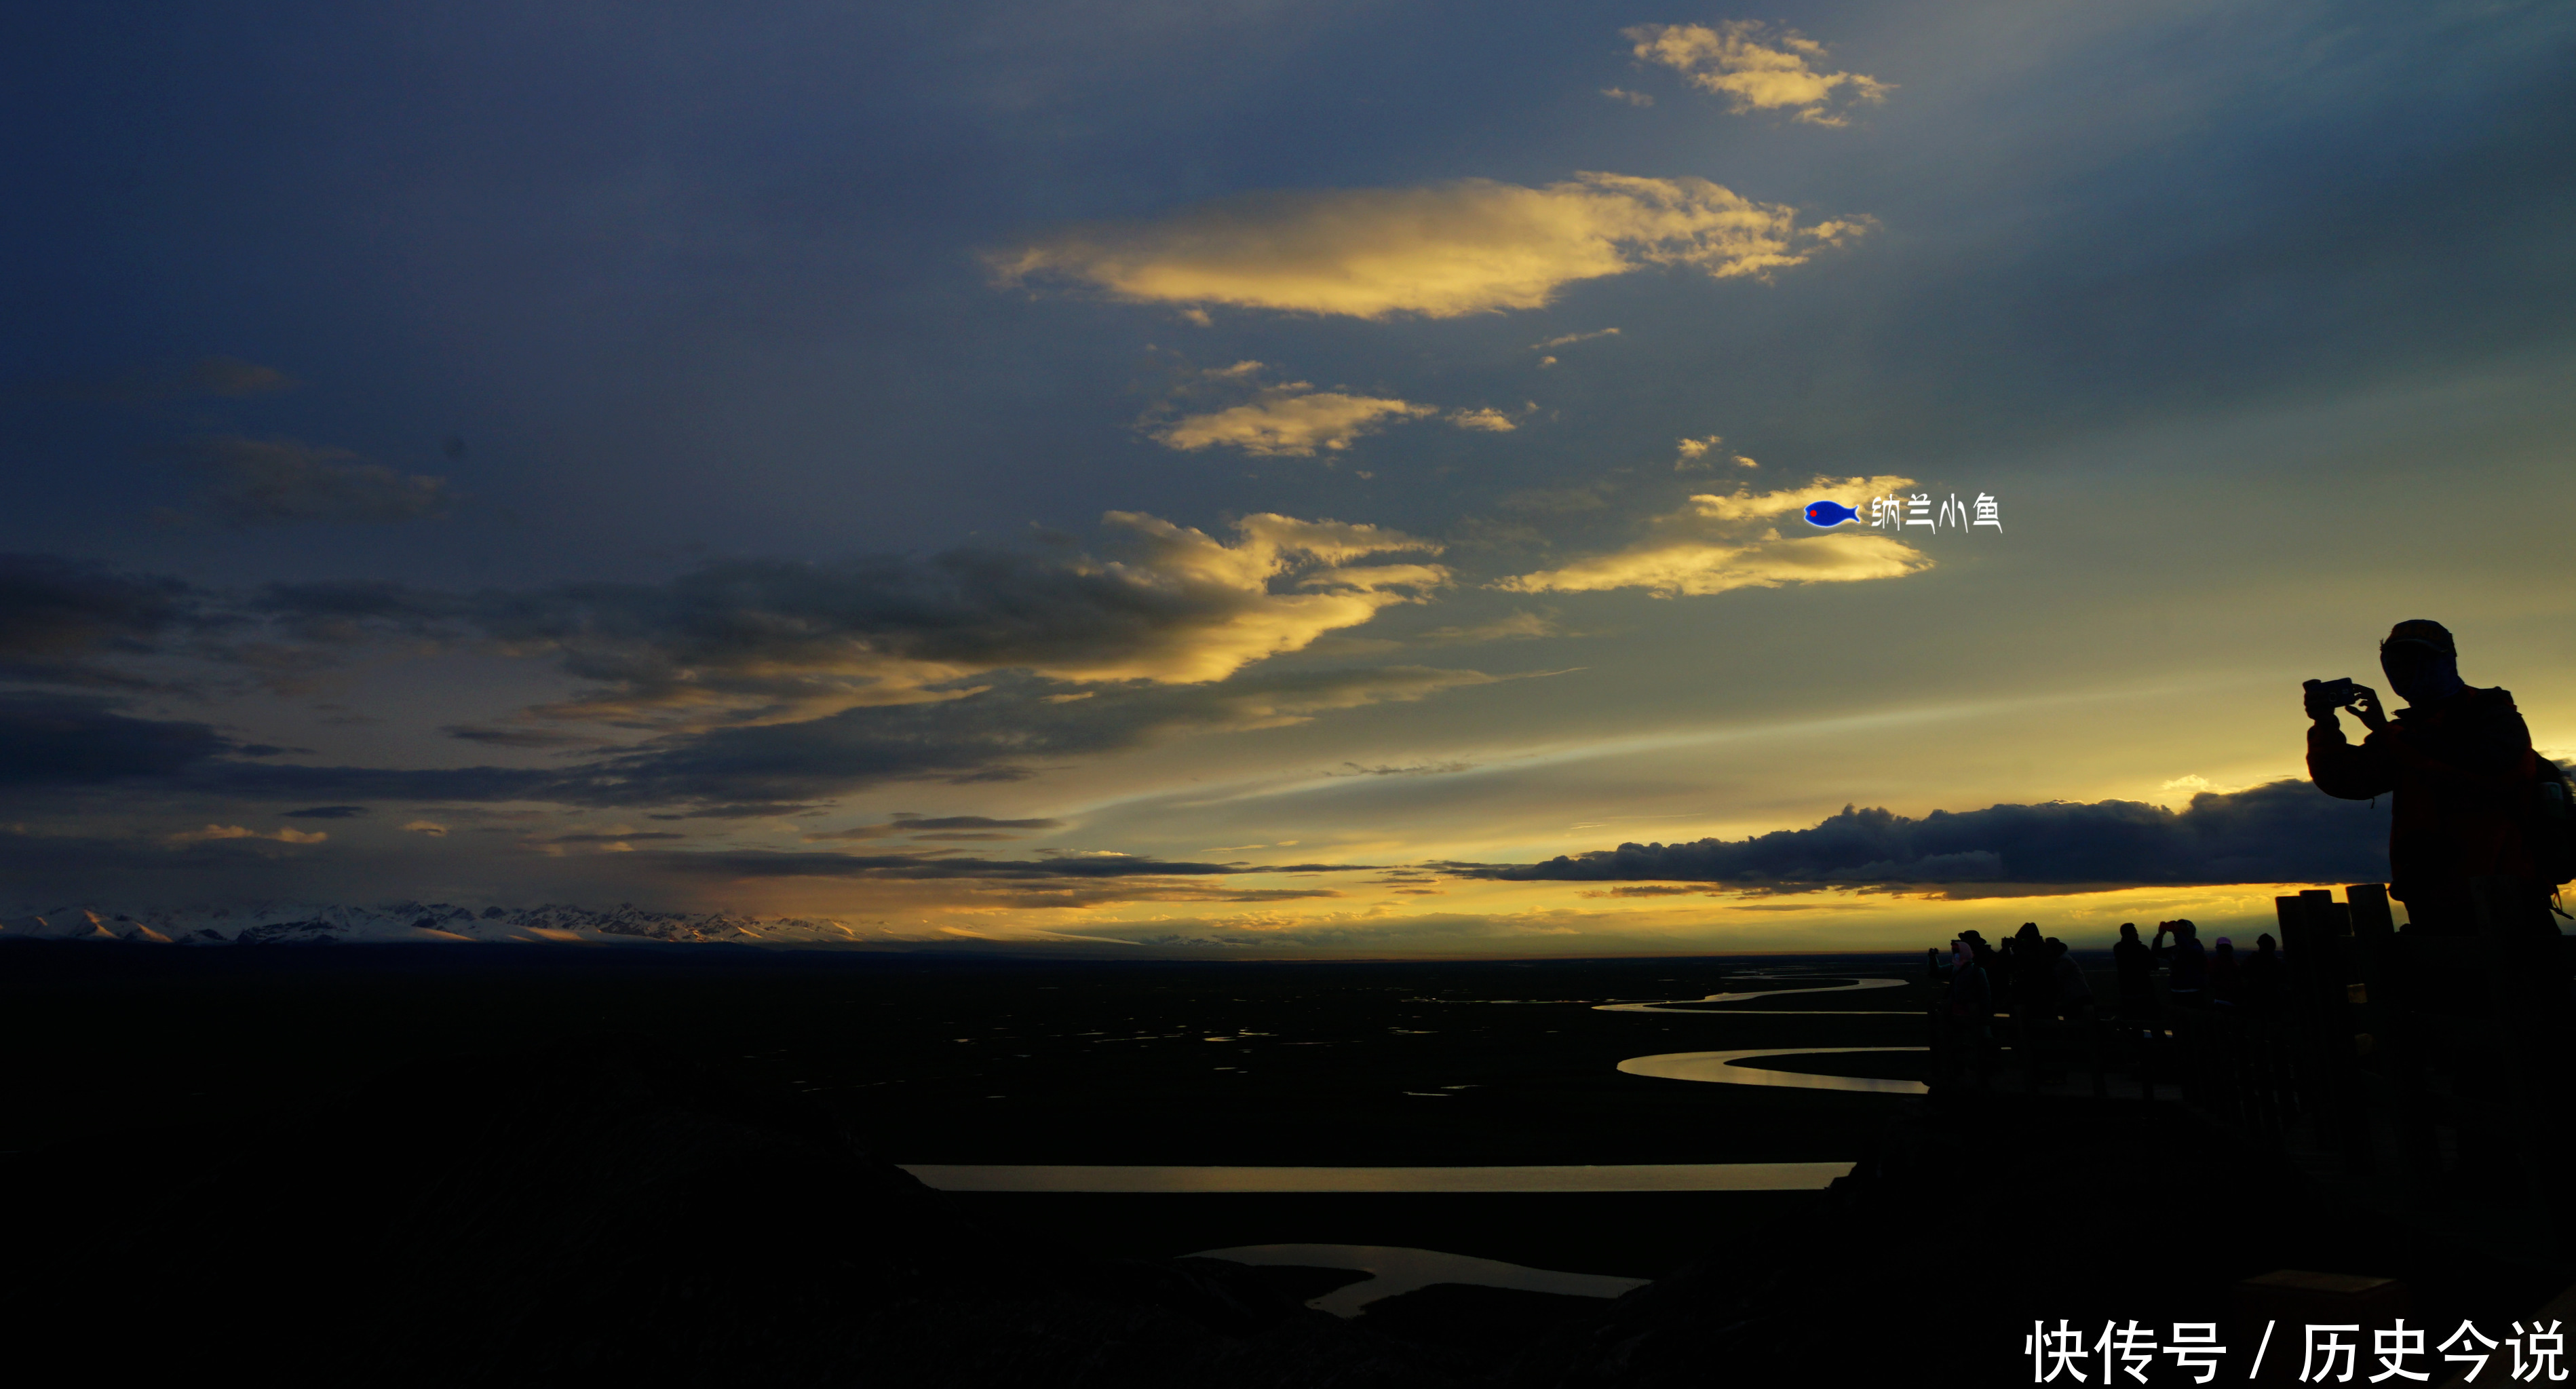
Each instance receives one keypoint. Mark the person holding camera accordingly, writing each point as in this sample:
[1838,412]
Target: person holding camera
[2186,964]
[2457,761]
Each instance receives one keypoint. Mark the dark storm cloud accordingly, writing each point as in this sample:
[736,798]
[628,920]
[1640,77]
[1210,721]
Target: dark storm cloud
[290,782]
[765,863]
[741,810]
[911,823]
[774,634]
[63,620]
[517,737]
[41,872]
[345,612]
[1011,729]
[281,482]
[74,740]
[937,827]
[2285,831]
[1008,730]
[326,812]
[1187,612]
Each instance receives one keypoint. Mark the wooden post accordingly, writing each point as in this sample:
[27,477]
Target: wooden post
[2368,903]
[2269,1083]
[2300,958]
[2229,1035]
[2093,1049]
[2321,928]
[2304,954]
[2528,998]
[2381,955]
[2026,1041]
[2191,1043]
[2352,1100]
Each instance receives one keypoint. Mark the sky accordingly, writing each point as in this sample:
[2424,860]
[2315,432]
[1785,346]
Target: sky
[1265,478]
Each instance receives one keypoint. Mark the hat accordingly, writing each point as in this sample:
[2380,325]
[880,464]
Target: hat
[2418,631]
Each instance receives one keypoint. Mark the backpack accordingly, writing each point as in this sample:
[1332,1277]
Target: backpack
[2550,825]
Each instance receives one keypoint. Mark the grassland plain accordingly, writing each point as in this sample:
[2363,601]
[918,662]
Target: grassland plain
[689,1148]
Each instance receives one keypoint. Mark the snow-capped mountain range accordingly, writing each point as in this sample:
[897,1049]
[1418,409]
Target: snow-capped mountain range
[305,923]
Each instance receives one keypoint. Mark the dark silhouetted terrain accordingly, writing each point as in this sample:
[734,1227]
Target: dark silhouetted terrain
[547,1169]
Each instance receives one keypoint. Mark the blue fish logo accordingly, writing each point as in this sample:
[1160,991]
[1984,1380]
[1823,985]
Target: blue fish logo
[1829,514]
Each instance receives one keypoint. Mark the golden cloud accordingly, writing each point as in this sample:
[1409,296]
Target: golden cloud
[1715,544]
[1290,420]
[1473,246]
[283,836]
[1486,418]
[1753,68]
[786,645]
[1240,619]
[1693,456]
[1568,338]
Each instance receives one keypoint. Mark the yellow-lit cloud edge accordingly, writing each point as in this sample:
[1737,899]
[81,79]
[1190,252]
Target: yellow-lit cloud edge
[1439,251]
[1716,544]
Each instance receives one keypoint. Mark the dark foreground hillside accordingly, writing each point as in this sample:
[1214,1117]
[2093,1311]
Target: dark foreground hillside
[499,1167]
[610,1214]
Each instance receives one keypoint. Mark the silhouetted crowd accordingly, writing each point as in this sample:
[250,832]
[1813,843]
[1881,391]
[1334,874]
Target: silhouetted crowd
[2034,975]
[2034,980]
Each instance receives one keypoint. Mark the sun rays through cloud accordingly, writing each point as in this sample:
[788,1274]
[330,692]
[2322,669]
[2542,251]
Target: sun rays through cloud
[931,481]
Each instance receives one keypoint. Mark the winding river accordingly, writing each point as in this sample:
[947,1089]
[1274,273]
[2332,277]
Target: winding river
[1394,1271]
[1652,1176]
[1728,1068]
[1691,1005]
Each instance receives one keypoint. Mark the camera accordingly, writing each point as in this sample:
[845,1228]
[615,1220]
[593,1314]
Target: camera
[2339,692]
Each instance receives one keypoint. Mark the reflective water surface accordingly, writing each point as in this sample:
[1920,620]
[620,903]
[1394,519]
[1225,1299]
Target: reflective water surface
[1667,1005]
[1699,1176]
[1725,1068]
[1396,1271]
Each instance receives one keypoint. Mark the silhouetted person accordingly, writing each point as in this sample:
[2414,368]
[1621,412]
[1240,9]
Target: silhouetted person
[2223,977]
[2074,992]
[2186,964]
[1983,953]
[2137,974]
[2459,766]
[2034,973]
[1969,1009]
[2264,985]
[1987,958]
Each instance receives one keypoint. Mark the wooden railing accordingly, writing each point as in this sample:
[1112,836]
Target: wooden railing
[2434,1070]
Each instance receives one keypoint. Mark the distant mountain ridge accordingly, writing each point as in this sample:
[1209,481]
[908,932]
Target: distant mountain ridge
[306,923]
